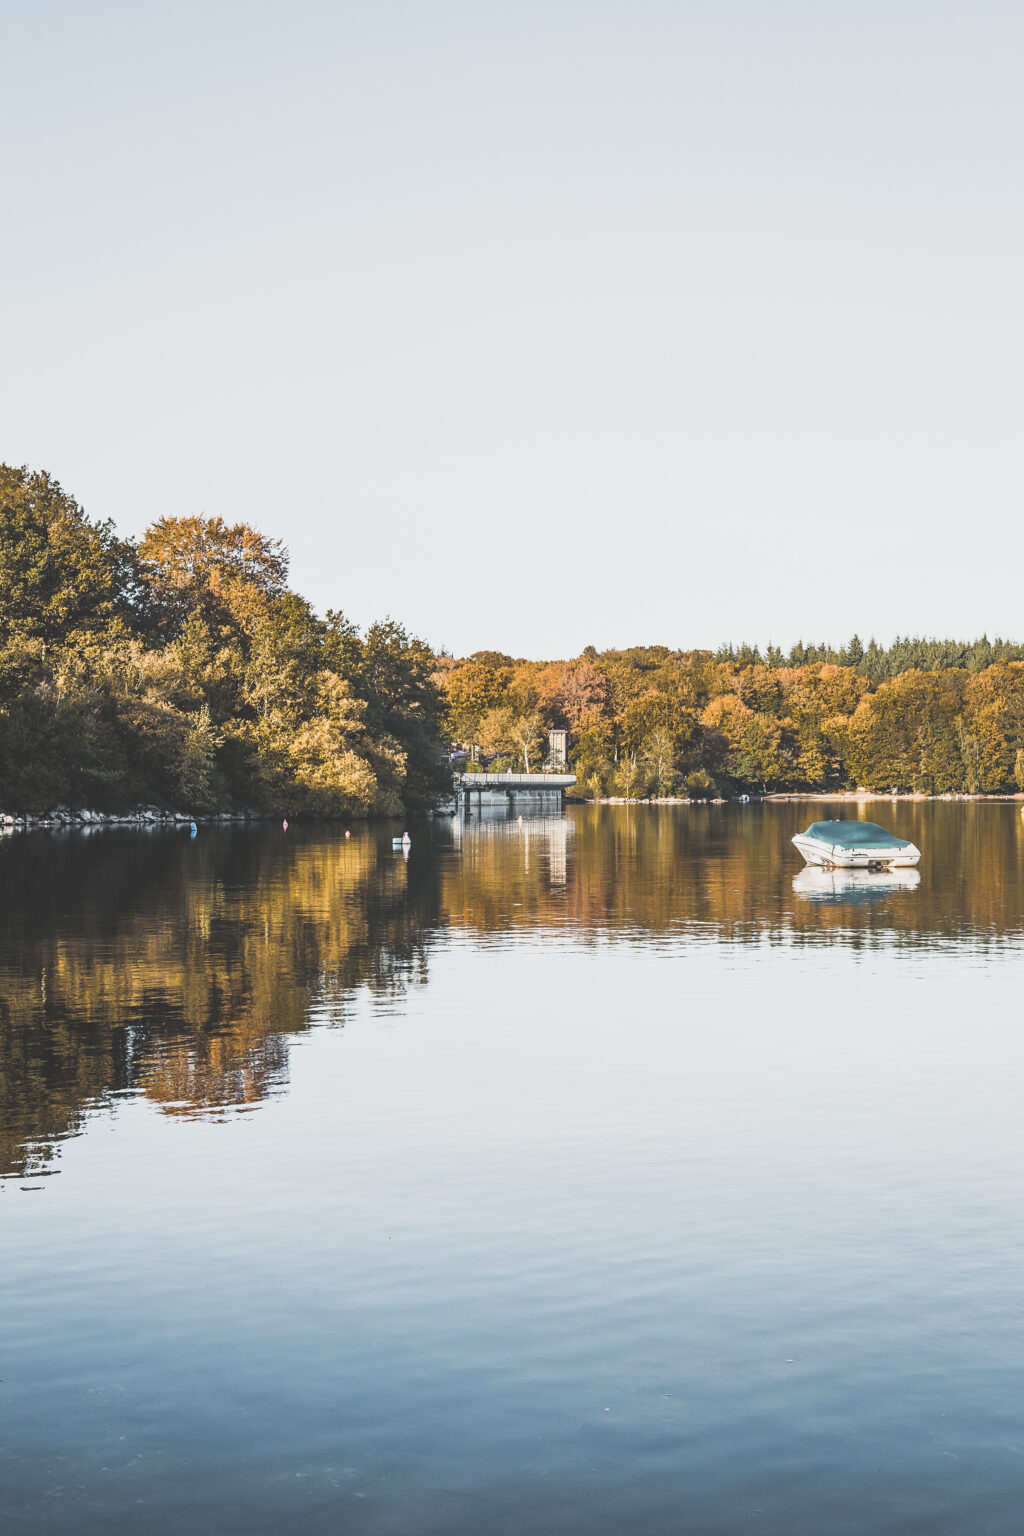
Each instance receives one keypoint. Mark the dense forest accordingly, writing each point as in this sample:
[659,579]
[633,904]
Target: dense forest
[181,671]
[936,717]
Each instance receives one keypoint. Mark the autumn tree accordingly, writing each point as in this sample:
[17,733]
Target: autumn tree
[759,688]
[286,656]
[583,694]
[471,689]
[403,704]
[514,738]
[322,763]
[760,759]
[228,574]
[906,735]
[528,736]
[658,761]
[59,572]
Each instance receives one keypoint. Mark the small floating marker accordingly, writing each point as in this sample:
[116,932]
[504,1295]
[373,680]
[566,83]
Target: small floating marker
[406,839]
[347,832]
[192,829]
[284,825]
[520,820]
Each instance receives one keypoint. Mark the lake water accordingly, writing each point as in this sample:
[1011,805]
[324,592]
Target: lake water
[595,1174]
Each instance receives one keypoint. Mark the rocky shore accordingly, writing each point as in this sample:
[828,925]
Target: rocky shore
[146,815]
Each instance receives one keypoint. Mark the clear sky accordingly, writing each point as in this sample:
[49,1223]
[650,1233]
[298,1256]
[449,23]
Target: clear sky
[540,323]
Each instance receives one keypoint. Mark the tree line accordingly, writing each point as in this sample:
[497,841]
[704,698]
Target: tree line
[877,662]
[181,670]
[936,717]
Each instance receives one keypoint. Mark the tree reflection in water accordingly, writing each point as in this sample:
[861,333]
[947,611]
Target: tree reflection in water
[134,963]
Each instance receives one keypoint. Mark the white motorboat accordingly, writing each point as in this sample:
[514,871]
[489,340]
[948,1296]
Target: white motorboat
[855,845]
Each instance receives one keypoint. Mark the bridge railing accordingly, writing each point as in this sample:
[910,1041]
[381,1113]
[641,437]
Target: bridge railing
[514,780]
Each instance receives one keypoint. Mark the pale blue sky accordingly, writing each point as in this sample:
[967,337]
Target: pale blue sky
[535,324]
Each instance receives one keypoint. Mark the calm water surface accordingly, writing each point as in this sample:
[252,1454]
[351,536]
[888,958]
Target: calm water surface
[597,1174]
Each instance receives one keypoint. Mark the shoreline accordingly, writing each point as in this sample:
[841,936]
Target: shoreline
[144,816]
[851,796]
[150,816]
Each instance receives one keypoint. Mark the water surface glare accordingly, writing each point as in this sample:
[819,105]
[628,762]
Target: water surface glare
[589,1174]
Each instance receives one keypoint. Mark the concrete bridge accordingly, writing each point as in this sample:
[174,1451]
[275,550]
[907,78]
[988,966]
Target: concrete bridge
[538,791]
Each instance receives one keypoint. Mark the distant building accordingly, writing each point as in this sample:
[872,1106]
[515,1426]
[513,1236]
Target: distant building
[558,750]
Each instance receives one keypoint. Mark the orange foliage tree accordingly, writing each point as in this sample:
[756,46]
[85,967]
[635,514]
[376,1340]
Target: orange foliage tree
[228,574]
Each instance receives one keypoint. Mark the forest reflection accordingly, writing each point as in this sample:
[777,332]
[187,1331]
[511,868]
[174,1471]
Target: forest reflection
[134,963]
[731,873]
[146,964]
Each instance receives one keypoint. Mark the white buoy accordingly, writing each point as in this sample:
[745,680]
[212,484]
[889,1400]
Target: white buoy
[284,825]
[347,832]
[406,839]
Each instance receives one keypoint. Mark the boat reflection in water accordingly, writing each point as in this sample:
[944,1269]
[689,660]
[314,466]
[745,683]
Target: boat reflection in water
[852,887]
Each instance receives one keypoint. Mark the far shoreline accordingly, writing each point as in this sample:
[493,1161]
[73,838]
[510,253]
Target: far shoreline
[851,796]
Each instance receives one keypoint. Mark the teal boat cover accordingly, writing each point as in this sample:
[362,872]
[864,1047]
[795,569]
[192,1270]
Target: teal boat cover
[854,834]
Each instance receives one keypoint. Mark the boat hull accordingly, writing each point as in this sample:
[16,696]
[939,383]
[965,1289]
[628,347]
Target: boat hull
[834,856]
